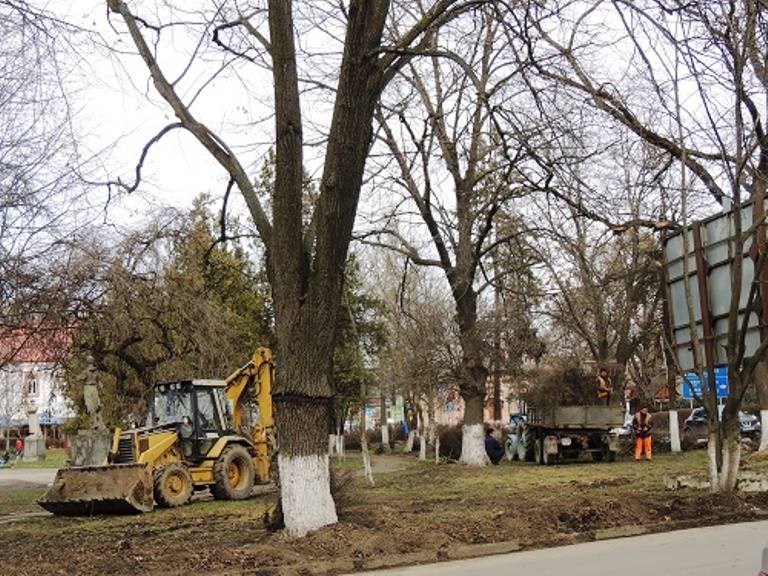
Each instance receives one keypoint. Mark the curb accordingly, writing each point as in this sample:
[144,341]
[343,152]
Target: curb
[468,551]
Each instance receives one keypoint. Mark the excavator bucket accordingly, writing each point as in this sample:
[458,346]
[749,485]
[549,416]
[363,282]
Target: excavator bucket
[89,490]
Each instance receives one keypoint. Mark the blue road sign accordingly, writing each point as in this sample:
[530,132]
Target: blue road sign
[692,383]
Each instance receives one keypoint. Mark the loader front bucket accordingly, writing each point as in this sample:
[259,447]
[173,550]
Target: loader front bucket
[89,490]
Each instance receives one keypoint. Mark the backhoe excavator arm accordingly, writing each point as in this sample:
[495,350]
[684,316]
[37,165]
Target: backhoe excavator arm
[256,375]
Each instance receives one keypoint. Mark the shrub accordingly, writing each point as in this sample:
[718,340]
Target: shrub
[450,442]
[564,383]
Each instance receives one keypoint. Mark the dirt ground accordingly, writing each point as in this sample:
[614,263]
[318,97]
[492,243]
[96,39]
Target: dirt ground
[423,508]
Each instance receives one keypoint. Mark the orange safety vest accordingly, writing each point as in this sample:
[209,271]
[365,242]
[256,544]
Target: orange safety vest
[641,422]
[603,387]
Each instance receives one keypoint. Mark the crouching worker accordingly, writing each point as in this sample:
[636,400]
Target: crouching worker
[493,447]
[641,425]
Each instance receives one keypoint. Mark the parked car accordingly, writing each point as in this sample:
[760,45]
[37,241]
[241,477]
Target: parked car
[696,426]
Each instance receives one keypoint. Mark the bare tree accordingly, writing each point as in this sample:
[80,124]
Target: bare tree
[458,170]
[423,358]
[606,286]
[11,401]
[42,205]
[305,260]
[713,52]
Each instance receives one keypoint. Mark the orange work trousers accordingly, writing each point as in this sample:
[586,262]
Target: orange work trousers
[644,445]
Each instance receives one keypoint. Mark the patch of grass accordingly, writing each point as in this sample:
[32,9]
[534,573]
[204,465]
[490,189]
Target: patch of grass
[20,501]
[349,462]
[415,506]
[54,458]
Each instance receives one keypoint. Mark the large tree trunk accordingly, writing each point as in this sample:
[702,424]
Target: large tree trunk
[303,463]
[305,263]
[723,475]
[384,424]
[408,447]
[385,436]
[731,448]
[474,377]
[367,469]
[422,434]
[307,268]
[496,368]
[302,396]
[674,431]
[472,433]
[761,388]
[432,431]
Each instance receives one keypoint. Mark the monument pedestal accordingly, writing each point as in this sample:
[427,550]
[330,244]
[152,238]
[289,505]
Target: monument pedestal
[34,444]
[34,448]
[90,448]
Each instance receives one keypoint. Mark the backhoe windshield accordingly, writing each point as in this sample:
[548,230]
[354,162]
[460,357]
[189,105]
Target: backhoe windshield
[171,406]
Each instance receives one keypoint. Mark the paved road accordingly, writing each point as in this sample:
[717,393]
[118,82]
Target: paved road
[14,477]
[733,550]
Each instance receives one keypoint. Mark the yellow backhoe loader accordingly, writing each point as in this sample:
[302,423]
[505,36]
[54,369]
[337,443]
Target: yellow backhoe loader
[199,434]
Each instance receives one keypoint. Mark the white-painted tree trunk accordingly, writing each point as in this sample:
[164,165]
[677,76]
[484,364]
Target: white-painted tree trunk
[726,479]
[305,489]
[731,463]
[367,469]
[422,435]
[340,445]
[764,430]
[409,442]
[674,431]
[431,432]
[473,445]
[437,449]
[331,444]
[385,436]
[714,478]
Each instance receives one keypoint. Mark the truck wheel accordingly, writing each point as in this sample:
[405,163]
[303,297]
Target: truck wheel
[597,456]
[546,459]
[528,446]
[611,456]
[172,485]
[233,474]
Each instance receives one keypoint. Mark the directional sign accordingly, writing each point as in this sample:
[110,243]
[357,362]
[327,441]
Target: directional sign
[692,383]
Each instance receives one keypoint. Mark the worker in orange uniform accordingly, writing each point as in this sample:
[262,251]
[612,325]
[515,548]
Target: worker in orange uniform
[641,425]
[604,386]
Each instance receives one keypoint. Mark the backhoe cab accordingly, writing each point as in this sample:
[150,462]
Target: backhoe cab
[199,434]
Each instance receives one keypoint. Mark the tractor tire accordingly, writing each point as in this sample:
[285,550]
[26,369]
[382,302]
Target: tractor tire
[233,474]
[172,485]
[522,450]
[529,444]
[510,450]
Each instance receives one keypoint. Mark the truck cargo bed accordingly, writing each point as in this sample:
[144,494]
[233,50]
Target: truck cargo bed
[577,417]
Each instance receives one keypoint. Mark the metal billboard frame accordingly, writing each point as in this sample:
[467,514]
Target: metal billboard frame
[710,257]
